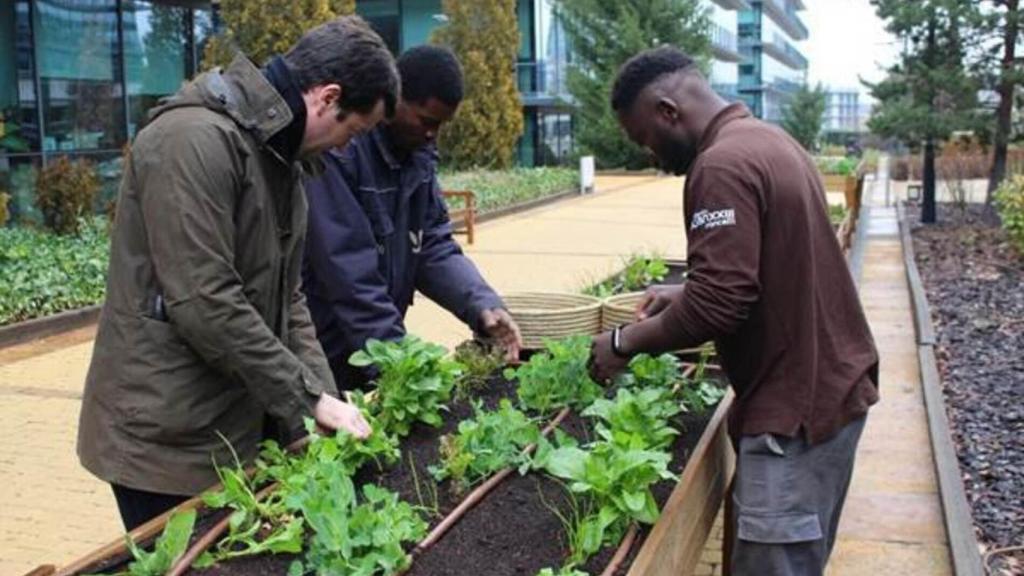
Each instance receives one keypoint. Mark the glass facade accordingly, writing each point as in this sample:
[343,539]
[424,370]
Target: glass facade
[78,77]
[541,67]
[773,68]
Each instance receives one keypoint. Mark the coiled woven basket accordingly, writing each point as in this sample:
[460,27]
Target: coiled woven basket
[543,315]
[619,309]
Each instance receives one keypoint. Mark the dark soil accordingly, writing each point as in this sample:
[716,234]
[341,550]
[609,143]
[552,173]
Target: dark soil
[975,285]
[514,531]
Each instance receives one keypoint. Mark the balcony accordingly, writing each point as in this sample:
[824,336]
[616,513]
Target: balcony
[733,4]
[785,53]
[543,83]
[784,13]
[723,44]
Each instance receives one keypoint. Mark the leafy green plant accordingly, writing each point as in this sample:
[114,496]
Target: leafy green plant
[646,371]
[484,444]
[414,383]
[254,527]
[168,549]
[65,192]
[496,189]
[618,479]
[1010,203]
[636,418]
[5,213]
[479,363]
[836,214]
[557,377]
[638,273]
[699,393]
[352,535]
[563,571]
[44,273]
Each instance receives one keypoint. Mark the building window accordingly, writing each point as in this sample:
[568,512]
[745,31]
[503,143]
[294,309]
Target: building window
[155,41]
[385,17]
[79,59]
[19,115]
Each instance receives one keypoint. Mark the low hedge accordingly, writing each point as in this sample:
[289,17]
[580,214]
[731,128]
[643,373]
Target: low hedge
[44,273]
[499,189]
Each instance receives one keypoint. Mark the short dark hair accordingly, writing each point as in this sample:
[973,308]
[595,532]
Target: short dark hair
[644,69]
[430,72]
[346,51]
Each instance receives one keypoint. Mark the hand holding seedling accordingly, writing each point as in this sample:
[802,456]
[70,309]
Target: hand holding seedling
[655,299]
[499,325]
[333,414]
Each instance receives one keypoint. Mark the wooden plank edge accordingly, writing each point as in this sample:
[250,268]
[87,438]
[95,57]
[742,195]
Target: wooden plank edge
[918,299]
[956,511]
[963,543]
[38,328]
[659,538]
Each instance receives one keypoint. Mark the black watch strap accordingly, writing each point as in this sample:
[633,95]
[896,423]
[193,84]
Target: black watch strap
[617,342]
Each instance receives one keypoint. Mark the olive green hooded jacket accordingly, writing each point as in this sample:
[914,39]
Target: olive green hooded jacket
[204,330]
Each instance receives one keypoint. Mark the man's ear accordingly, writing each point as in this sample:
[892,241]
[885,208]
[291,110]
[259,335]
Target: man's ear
[327,98]
[667,109]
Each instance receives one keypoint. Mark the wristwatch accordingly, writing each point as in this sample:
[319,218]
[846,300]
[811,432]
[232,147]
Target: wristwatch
[617,342]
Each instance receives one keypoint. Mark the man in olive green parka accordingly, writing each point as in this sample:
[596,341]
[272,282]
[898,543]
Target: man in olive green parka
[205,332]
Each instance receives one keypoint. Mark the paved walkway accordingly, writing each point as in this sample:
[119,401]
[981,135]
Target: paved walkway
[892,523]
[54,511]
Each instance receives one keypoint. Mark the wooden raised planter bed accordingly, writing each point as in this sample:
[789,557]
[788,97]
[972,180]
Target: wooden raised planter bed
[671,547]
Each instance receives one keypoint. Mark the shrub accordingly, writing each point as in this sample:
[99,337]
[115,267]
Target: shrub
[45,273]
[1010,202]
[65,192]
[497,189]
[5,215]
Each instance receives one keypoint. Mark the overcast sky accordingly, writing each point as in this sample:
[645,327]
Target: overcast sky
[846,40]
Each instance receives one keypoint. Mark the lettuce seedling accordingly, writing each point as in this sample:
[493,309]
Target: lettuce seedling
[485,444]
[616,478]
[415,382]
[557,377]
[168,549]
[640,417]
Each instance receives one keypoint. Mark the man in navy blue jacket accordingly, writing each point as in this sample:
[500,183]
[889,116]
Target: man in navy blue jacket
[379,229]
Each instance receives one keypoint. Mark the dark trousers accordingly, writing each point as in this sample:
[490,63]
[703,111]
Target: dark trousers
[786,500]
[138,506]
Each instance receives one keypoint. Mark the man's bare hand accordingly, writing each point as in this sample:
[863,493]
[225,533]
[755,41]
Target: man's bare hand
[498,324]
[333,414]
[604,365]
[655,300]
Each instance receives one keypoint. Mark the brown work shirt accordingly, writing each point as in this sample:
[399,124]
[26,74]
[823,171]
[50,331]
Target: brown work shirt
[769,284]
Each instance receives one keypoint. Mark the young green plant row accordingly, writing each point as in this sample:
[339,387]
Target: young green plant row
[316,508]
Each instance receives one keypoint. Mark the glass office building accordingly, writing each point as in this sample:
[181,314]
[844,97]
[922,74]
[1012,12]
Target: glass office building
[541,66]
[77,78]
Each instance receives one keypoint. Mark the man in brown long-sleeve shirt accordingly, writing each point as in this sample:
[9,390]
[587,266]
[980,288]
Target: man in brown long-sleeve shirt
[769,284]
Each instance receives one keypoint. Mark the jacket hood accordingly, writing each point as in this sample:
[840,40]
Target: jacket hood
[241,92]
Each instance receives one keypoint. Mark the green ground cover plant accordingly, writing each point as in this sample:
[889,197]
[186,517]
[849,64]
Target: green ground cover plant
[44,273]
[496,189]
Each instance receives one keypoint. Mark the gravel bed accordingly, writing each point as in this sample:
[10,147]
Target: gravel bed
[975,285]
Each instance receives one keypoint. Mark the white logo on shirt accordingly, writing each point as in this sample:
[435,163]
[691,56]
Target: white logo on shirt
[708,219]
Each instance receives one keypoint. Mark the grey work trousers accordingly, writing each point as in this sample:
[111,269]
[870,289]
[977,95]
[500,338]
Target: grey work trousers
[786,501]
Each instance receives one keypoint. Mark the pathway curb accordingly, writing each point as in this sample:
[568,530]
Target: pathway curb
[23,332]
[963,544]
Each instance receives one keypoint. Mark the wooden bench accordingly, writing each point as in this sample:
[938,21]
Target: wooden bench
[466,215]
